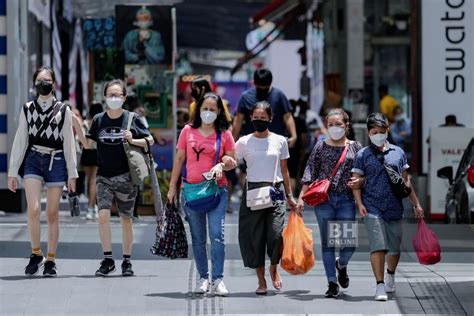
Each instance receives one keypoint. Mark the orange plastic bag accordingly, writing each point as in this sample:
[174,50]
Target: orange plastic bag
[298,251]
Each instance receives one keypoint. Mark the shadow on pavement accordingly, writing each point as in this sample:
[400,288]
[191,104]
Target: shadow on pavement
[174,295]
[85,276]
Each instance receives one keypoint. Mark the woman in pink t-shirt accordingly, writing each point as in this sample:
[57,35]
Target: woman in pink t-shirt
[197,145]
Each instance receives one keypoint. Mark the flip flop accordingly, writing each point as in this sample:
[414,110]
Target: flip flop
[277,284]
[261,291]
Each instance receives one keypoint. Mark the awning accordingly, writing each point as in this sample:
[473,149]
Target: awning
[274,10]
[289,16]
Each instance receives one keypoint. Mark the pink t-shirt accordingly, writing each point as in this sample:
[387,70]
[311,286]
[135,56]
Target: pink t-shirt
[201,151]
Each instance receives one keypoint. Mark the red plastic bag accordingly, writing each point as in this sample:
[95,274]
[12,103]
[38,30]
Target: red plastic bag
[298,251]
[426,244]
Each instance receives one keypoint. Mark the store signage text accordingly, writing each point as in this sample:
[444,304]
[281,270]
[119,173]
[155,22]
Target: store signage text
[454,19]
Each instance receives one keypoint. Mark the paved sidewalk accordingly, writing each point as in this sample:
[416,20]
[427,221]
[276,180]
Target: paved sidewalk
[163,286]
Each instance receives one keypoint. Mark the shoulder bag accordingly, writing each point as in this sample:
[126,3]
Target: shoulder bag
[264,197]
[318,190]
[138,160]
[205,195]
[397,184]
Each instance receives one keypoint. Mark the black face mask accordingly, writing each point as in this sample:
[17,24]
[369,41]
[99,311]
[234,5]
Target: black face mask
[262,93]
[44,88]
[260,125]
[196,94]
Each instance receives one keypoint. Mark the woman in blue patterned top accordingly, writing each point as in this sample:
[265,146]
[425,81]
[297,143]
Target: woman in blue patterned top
[381,209]
[340,206]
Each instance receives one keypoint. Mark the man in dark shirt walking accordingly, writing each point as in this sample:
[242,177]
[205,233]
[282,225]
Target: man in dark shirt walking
[282,121]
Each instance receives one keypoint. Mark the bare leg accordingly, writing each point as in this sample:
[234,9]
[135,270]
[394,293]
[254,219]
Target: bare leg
[377,259]
[52,215]
[262,283]
[91,172]
[104,230]
[33,195]
[276,278]
[127,235]
[392,262]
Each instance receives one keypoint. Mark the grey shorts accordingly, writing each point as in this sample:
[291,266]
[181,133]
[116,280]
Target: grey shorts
[383,236]
[119,189]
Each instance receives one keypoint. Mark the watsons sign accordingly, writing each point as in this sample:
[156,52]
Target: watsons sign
[455,40]
[447,59]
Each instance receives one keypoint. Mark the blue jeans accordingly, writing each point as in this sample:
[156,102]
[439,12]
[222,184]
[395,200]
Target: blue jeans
[216,221]
[339,207]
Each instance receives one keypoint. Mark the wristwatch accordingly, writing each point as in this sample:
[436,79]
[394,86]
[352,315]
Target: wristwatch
[289,194]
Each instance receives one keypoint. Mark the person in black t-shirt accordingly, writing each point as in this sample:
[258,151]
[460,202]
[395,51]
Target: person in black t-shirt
[113,176]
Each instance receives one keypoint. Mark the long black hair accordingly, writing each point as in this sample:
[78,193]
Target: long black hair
[202,84]
[51,72]
[44,68]
[221,123]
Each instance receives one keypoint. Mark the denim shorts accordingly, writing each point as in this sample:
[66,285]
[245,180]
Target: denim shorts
[37,167]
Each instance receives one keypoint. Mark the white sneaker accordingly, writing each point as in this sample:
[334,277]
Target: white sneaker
[90,213]
[380,294]
[202,286]
[218,288]
[389,283]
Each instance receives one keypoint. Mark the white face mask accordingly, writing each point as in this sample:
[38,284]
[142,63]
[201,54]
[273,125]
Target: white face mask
[114,103]
[143,24]
[400,117]
[336,132]
[208,117]
[378,139]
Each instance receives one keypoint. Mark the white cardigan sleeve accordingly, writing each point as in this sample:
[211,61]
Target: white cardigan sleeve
[20,144]
[69,146]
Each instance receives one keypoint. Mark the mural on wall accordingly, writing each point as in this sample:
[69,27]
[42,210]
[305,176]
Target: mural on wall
[139,50]
[99,33]
[145,34]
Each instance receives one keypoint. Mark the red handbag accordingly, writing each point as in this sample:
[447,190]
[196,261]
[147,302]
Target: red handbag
[318,190]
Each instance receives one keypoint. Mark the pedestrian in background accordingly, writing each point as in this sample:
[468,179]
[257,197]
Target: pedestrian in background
[297,153]
[196,152]
[381,209]
[90,163]
[282,122]
[260,231]
[114,182]
[340,207]
[44,147]
[387,103]
[401,131]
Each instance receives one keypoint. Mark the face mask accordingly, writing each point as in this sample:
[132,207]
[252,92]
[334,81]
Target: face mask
[114,103]
[378,139]
[208,117]
[262,93]
[260,125]
[44,88]
[196,94]
[336,132]
[400,117]
[143,24]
